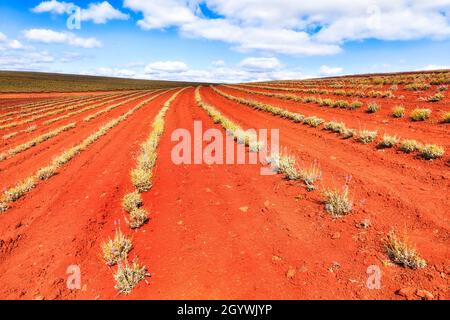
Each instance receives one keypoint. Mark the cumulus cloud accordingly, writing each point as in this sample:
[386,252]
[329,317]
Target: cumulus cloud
[51,36]
[114,72]
[53,6]
[98,13]
[166,67]
[26,60]
[102,12]
[180,71]
[329,71]
[260,64]
[6,43]
[297,27]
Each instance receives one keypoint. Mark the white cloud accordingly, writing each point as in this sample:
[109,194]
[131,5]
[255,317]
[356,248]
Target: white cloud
[98,13]
[6,43]
[297,27]
[260,64]
[27,60]
[218,63]
[102,12]
[329,71]
[114,72]
[180,71]
[51,36]
[166,66]
[433,67]
[53,6]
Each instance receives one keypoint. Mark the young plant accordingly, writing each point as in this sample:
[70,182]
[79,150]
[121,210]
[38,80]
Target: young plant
[398,112]
[128,276]
[337,202]
[373,107]
[446,117]
[138,217]
[132,201]
[285,164]
[366,136]
[432,151]
[435,98]
[117,249]
[409,145]
[355,105]
[310,175]
[402,254]
[347,133]
[313,121]
[141,179]
[388,141]
[46,172]
[19,190]
[3,207]
[420,114]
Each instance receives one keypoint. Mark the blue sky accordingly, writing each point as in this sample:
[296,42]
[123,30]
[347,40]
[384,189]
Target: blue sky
[218,40]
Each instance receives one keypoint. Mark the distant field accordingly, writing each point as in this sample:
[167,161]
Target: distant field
[11,81]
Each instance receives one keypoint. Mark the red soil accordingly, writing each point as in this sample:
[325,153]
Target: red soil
[410,101]
[200,241]
[381,121]
[42,128]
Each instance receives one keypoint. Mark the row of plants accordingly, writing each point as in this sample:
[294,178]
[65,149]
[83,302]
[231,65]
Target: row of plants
[116,105]
[48,114]
[309,99]
[130,97]
[427,151]
[115,251]
[339,92]
[48,104]
[36,141]
[338,202]
[21,188]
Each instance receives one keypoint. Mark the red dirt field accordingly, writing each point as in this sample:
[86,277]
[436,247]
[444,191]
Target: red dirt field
[225,231]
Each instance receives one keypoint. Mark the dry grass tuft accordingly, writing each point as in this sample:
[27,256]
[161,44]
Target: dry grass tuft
[366,136]
[46,172]
[141,179]
[401,253]
[132,201]
[19,190]
[388,141]
[446,117]
[286,165]
[117,249]
[373,107]
[347,133]
[138,217]
[435,98]
[313,121]
[3,207]
[310,175]
[128,276]
[355,105]
[337,202]
[409,145]
[398,112]
[432,151]
[420,114]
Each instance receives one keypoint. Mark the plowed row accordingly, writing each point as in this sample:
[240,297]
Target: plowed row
[223,231]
